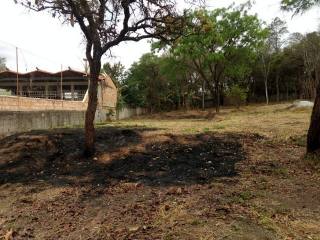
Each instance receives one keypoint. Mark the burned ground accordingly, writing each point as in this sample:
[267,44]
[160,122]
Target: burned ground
[155,181]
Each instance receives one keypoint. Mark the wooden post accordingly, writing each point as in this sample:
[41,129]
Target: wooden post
[72,91]
[46,90]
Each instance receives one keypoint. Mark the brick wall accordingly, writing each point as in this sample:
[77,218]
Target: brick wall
[11,103]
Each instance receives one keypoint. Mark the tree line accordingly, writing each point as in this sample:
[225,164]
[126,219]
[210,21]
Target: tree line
[225,56]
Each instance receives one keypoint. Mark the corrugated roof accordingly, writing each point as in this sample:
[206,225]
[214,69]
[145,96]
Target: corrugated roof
[41,73]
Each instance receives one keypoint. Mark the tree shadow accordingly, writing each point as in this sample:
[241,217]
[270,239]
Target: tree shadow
[124,155]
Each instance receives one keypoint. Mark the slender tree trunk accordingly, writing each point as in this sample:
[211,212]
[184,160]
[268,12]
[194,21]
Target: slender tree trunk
[277,86]
[313,141]
[95,67]
[203,96]
[217,98]
[266,90]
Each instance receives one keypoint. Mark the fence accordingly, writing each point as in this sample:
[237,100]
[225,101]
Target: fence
[66,95]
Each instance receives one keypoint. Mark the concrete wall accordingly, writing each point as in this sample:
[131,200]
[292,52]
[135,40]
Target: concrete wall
[23,121]
[126,113]
[15,122]
[21,114]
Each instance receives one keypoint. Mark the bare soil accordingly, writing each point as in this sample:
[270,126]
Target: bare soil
[152,182]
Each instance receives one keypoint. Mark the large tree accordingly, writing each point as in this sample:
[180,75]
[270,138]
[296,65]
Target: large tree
[313,141]
[220,45]
[278,29]
[105,24]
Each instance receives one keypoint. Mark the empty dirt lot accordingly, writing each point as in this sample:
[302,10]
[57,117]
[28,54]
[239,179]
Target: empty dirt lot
[240,174]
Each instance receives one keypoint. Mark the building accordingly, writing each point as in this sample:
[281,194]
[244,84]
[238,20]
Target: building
[68,85]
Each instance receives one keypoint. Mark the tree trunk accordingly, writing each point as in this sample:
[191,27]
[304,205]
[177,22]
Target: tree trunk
[313,141]
[95,67]
[217,98]
[203,96]
[266,90]
[277,86]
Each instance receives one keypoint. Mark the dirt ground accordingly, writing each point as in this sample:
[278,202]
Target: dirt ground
[241,174]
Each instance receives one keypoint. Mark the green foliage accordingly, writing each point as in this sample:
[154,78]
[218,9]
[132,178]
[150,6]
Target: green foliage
[143,86]
[237,95]
[115,71]
[220,44]
[2,64]
[298,6]
[224,52]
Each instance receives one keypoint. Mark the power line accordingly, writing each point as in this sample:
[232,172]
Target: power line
[31,53]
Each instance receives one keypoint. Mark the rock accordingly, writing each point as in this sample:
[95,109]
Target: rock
[301,104]
[133,228]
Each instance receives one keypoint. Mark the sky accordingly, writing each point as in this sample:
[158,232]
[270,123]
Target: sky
[48,44]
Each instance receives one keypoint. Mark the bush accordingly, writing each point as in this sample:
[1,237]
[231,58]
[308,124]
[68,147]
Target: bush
[237,95]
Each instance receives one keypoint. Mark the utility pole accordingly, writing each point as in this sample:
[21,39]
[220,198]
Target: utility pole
[86,69]
[17,63]
[61,88]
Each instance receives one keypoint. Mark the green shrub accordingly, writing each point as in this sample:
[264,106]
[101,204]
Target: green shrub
[237,95]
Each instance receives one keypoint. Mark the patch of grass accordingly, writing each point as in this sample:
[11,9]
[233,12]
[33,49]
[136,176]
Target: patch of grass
[206,130]
[190,130]
[195,222]
[299,140]
[268,223]
[282,210]
[281,171]
[219,127]
[168,236]
[242,197]
[313,160]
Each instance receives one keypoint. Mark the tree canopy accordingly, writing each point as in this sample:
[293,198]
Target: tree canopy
[105,24]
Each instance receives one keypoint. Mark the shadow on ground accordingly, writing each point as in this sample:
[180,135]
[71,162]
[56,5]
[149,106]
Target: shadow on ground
[127,155]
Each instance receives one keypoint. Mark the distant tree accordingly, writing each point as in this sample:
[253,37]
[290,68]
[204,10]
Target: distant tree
[237,95]
[220,44]
[265,53]
[2,64]
[116,71]
[144,86]
[278,29]
[105,24]
[298,6]
[313,141]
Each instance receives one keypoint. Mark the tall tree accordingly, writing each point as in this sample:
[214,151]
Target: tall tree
[278,29]
[220,45]
[105,24]
[265,54]
[313,141]
[116,71]
[2,64]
